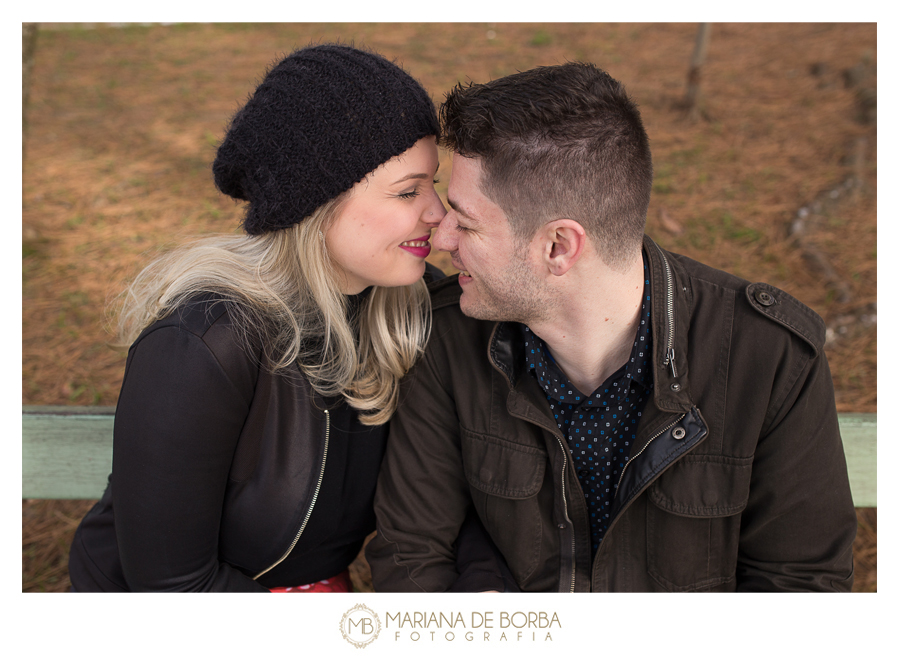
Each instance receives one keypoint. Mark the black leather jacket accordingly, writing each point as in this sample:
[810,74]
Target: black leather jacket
[226,477]
[216,466]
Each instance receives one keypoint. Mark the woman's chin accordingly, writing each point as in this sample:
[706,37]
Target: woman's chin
[407,279]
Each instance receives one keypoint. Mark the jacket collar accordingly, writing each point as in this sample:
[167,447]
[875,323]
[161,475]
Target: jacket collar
[670,295]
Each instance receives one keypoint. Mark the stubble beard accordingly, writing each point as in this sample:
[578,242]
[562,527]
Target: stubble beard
[513,296]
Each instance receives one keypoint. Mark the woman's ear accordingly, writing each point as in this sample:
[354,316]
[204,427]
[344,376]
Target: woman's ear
[564,243]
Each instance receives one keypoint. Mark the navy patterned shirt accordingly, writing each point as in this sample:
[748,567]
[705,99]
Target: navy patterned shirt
[601,427]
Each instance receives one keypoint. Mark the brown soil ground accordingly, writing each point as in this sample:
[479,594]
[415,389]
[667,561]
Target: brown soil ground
[123,124]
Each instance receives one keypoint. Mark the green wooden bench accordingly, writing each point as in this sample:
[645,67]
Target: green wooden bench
[67,452]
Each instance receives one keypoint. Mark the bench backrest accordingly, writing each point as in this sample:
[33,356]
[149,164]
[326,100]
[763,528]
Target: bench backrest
[67,452]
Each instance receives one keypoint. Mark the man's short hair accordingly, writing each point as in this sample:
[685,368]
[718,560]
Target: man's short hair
[558,142]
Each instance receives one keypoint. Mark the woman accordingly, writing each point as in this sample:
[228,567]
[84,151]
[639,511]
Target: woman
[251,421]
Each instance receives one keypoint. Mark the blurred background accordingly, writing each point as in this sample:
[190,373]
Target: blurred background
[763,136]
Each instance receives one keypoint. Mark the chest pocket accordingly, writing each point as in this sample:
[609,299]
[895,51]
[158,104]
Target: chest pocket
[505,481]
[501,468]
[694,522]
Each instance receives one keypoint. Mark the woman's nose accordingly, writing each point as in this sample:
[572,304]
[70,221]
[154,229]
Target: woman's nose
[435,211]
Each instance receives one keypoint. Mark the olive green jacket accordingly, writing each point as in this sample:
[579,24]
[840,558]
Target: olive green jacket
[736,481]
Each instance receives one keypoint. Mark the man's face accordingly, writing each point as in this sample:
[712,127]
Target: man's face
[498,273]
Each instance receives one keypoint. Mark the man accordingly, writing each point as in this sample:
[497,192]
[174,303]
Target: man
[619,417]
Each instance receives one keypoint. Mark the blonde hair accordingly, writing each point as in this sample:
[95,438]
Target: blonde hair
[285,298]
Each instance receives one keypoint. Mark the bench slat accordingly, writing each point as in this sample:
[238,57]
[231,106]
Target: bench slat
[67,452]
[858,432]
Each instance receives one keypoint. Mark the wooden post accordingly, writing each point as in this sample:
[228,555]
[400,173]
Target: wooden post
[692,96]
[29,40]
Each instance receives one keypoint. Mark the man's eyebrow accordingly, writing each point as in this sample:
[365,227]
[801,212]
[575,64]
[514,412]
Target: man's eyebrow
[459,209]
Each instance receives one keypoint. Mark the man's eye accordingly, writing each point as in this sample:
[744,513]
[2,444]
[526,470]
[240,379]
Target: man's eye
[460,227]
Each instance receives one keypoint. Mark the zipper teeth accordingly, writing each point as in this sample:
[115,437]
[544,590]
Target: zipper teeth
[311,505]
[670,314]
[566,507]
[652,439]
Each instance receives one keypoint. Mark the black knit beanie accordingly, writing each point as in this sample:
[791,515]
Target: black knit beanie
[322,118]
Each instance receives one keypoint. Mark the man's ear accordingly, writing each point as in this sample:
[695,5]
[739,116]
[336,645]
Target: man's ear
[564,243]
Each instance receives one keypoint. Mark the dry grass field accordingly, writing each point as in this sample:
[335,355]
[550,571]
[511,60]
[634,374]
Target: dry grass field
[776,181]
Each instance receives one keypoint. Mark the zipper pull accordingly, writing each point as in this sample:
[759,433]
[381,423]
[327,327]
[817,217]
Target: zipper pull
[670,361]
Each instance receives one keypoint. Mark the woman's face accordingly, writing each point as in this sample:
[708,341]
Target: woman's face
[380,237]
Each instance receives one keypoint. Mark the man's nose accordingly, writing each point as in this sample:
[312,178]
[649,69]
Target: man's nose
[445,237]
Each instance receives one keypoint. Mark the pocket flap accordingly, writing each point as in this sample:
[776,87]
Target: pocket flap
[501,468]
[704,485]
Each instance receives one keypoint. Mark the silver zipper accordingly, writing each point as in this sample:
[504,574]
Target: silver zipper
[565,452]
[670,315]
[652,438]
[311,505]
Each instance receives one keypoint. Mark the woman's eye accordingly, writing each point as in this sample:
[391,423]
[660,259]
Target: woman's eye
[408,195]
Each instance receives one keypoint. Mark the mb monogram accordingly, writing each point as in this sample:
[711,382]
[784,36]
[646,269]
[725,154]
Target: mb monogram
[360,626]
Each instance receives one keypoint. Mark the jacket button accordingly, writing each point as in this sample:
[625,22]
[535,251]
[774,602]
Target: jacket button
[764,298]
[561,526]
[678,433]
[676,387]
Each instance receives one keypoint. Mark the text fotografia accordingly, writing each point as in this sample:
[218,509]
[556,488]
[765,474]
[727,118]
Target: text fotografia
[478,626]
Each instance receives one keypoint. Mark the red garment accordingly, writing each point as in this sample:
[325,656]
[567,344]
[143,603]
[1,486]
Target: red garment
[338,583]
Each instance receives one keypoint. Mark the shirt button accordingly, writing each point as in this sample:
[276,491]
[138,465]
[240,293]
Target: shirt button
[583,473]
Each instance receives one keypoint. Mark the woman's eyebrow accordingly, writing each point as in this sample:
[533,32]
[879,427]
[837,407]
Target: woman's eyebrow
[409,177]
[414,176]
